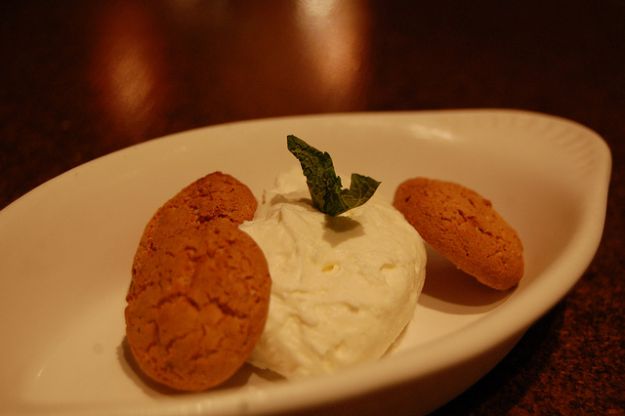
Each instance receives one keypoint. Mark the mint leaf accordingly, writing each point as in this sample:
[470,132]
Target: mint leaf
[326,190]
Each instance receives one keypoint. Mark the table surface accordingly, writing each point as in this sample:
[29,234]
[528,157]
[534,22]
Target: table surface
[80,79]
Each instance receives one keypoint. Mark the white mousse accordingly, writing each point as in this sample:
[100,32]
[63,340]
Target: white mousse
[343,288]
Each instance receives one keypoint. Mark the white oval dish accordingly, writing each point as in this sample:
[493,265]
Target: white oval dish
[66,249]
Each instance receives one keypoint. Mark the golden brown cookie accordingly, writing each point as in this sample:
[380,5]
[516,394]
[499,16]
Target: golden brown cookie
[464,227]
[216,195]
[199,295]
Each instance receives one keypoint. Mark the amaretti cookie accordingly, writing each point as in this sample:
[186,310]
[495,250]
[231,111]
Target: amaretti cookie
[199,294]
[216,195]
[464,227]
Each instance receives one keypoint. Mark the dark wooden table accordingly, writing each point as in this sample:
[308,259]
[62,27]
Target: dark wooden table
[79,79]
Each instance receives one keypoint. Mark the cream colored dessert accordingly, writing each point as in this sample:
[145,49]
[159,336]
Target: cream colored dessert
[343,288]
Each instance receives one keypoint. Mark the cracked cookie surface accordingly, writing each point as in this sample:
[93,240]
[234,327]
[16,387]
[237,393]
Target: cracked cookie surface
[199,294]
[464,227]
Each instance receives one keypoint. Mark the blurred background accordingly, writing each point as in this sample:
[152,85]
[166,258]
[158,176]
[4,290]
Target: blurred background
[80,79]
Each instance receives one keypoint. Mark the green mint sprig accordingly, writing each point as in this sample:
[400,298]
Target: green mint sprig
[326,190]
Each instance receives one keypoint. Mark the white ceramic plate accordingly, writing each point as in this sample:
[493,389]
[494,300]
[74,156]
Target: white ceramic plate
[66,250]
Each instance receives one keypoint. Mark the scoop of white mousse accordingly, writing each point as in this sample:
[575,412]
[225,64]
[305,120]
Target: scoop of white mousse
[343,288]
